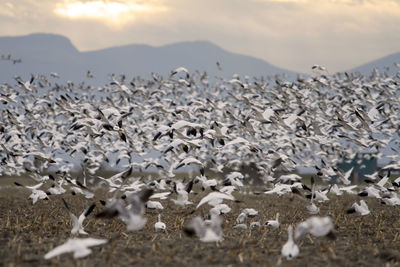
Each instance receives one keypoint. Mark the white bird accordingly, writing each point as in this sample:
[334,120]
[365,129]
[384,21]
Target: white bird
[255,225]
[312,208]
[316,226]
[250,212]
[344,178]
[220,209]
[206,233]
[290,249]
[79,246]
[54,75]
[273,223]
[131,215]
[154,205]
[392,199]
[241,218]
[56,189]
[214,198]
[179,69]
[77,223]
[159,225]
[370,191]
[362,208]
[336,190]
[183,193]
[318,67]
[26,85]
[36,193]
[161,195]
[242,226]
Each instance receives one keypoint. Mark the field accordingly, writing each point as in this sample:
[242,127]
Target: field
[29,231]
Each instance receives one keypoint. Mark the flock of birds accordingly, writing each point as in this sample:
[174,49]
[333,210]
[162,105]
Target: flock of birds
[197,125]
[11,59]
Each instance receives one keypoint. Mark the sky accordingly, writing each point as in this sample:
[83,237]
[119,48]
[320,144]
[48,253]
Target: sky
[291,34]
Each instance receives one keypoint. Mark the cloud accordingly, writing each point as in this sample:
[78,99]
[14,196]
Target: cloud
[293,34]
[112,13]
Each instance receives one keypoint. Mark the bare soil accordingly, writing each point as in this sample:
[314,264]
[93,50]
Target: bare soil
[28,232]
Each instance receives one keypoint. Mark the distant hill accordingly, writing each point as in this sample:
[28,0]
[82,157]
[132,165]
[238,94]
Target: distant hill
[46,53]
[384,64]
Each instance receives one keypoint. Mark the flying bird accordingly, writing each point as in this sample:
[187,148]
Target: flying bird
[78,246]
[77,223]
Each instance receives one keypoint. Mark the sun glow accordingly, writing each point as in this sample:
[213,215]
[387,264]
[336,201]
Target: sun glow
[115,13]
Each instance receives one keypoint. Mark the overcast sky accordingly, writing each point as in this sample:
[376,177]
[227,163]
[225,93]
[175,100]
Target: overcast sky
[292,34]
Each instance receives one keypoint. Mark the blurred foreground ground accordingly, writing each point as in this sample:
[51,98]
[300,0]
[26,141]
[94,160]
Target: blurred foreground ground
[27,232]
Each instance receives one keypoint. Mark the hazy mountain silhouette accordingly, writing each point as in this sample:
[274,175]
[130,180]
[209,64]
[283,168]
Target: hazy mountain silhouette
[384,64]
[46,53]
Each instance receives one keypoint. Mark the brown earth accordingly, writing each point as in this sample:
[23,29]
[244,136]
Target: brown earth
[27,232]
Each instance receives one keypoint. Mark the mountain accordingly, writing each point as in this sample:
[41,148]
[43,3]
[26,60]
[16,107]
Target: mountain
[384,64]
[46,53]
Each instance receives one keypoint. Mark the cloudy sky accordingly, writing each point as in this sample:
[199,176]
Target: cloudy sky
[292,34]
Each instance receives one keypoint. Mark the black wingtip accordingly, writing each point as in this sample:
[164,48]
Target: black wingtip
[189,186]
[189,231]
[81,185]
[65,204]
[351,210]
[363,194]
[90,209]
[145,194]
[107,213]
[331,235]
[305,187]
[296,191]
[17,184]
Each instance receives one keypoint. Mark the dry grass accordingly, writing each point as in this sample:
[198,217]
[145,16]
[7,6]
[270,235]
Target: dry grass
[29,231]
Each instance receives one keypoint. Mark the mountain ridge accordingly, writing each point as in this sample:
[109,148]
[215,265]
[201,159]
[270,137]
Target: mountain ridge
[43,53]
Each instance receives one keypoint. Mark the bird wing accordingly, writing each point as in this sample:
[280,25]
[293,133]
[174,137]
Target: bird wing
[196,226]
[86,213]
[61,249]
[89,242]
[214,195]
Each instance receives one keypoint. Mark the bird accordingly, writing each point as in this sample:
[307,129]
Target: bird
[241,218]
[344,178]
[250,212]
[77,223]
[361,208]
[290,250]
[154,205]
[89,74]
[206,233]
[26,85]
[214,198]
[54,75]
[220,209]
[178,70]
[316,226]
[273,223]
[183,193]
[78,246]
[255,225]
[312,208]
[131,215]
[159,225]
[318,67]
[36,193]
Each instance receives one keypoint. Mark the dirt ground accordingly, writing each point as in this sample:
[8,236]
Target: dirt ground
[28,232]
